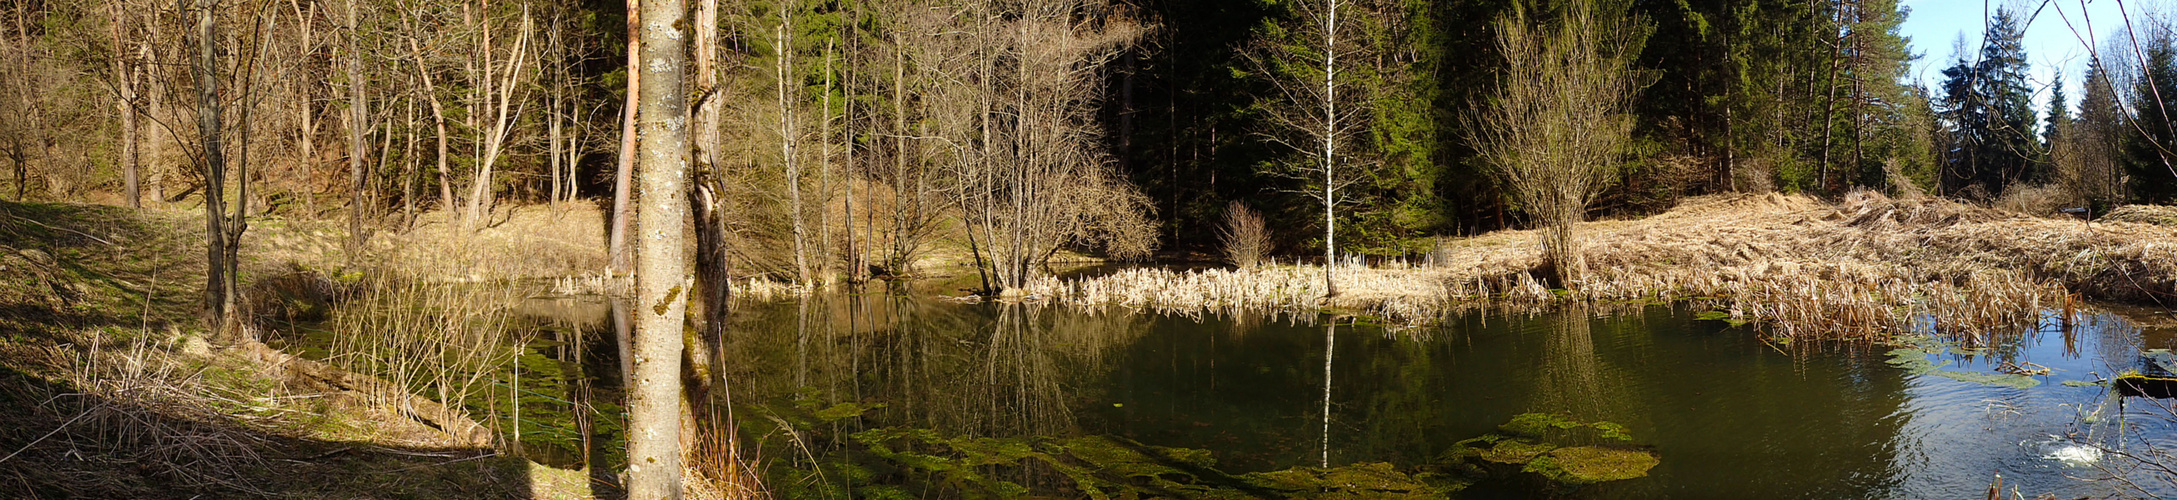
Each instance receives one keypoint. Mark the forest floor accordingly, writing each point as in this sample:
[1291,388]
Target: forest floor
[1867,267]
[109,389]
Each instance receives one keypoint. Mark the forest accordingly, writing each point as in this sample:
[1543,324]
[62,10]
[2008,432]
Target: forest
[240,229]
[880,119]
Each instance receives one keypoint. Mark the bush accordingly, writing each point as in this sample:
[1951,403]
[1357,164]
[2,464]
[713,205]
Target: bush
[1246,239]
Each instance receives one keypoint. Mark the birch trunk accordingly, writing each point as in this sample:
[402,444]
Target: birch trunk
[655,403]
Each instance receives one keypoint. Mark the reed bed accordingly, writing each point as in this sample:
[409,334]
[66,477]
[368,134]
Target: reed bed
[1868,267]
[446,343]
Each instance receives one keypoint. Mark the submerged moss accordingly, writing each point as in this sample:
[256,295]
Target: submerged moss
[2002,379]
[1593,464]
[1914,360]
[1557,448]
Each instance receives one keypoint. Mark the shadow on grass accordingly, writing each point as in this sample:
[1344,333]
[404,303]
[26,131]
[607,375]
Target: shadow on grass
[63,442]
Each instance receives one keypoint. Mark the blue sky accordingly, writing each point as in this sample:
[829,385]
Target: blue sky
[2053,37]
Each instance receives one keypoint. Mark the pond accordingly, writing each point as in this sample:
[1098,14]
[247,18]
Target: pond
[1727,414]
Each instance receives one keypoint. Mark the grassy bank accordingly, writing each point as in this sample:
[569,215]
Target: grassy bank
[1865,268]
[110,391]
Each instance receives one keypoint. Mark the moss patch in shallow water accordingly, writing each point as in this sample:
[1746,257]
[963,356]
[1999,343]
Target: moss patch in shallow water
[1556,447]
[2002,379]
[1593,464]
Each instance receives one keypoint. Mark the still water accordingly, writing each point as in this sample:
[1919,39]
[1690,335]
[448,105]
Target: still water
[1730,416]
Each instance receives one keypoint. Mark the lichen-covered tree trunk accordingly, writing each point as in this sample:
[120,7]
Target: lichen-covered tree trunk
[654,406]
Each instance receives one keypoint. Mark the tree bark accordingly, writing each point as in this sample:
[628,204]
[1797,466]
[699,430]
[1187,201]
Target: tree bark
[655,403]
[438,120]
[480,187]
[213,163]
[789,142]
[1330,143]
[357,118]
[617,243]
[125,80]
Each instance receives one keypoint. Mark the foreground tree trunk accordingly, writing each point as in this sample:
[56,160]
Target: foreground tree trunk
[654,404]
[214,165]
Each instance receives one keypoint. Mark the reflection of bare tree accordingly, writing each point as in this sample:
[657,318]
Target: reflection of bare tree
[1330,344]
[1571,382]
[969,370]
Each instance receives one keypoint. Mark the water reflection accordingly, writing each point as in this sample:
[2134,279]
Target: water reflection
[1732,417]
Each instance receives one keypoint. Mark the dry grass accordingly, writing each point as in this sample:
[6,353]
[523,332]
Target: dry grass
[1866,268]
[520,242]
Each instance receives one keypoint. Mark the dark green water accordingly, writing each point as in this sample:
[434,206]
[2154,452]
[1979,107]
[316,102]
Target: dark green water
[1730,416]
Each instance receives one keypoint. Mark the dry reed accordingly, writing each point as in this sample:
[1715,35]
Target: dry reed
[1867,268]
[447,343]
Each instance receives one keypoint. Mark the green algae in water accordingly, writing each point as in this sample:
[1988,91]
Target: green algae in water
[1542,444]
[1914,360]
[2082,383]
[1593,464]
[1105,467]
[2002,379]
[1547,425]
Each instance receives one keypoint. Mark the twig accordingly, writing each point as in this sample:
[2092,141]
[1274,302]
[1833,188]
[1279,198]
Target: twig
[448,462]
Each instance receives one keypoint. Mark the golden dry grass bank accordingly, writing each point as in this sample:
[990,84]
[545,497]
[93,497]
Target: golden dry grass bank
[519,242]
[1864,268]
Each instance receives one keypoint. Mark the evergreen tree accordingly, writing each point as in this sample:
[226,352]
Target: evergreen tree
[2059,115]
[2096,134]
[1987,106]
[2148,157]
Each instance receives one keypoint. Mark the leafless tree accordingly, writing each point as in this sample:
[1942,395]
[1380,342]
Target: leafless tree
[1319,111]
[1555,128]
[1038,182]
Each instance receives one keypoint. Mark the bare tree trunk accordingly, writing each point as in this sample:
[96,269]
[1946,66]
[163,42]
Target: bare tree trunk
[655,402]
[480,187]
[1330,148]
[125,80]
[408,171]
[557,100]
[306,127]
[789,135]
[553,135]
[438,120]
[823,218]
[156,143]
[617,243]
[1829,103]
[213,162]
[856,264]
[358,116]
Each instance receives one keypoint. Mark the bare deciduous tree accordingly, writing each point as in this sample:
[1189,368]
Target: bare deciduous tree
[1039,182]
[1314,71]
[1555,128]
